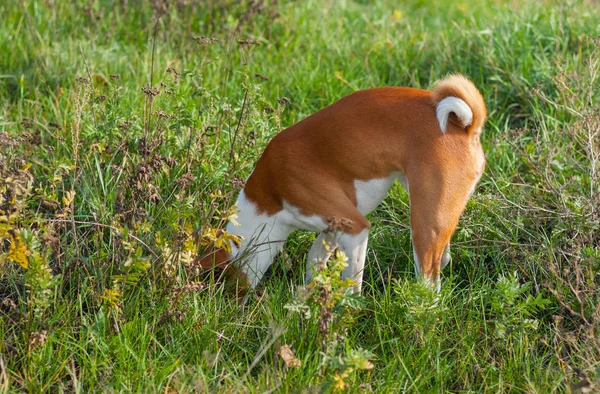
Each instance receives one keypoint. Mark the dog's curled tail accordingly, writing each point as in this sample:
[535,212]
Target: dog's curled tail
[458,101]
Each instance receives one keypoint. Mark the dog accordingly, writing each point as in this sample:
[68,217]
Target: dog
[342,160]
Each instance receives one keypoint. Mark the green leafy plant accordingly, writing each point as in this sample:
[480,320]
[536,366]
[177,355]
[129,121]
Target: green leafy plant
[513,307]
[330,304]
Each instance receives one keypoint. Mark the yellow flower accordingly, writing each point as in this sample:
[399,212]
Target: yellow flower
[18,251]
[339,383]
[112,296]
[397,16]
[220,239]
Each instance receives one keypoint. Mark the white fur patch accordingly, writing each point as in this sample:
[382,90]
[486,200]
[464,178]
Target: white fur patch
[450,105]
[292,215]
[416,258]
[481,165]
[263,236]
[355,247]
[369,194]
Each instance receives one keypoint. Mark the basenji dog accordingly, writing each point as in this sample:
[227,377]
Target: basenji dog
[340,163]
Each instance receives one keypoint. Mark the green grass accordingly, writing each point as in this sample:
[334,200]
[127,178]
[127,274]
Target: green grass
[107,301]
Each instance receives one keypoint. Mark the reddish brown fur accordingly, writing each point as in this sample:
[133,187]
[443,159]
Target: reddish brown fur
[458,86]
[220,259]
[215,258]
[369,134]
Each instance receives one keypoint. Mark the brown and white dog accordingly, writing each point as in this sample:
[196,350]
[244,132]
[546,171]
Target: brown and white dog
[341,162]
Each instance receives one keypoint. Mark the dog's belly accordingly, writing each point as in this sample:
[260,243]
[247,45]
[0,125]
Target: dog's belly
[369,194]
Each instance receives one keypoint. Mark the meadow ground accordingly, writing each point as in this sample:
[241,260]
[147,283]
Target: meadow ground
[126,128]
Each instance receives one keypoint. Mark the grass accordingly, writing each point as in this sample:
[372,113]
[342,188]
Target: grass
[124,136]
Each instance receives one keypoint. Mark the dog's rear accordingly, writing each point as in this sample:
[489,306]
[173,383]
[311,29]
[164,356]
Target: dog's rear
[448,171]
[457,100]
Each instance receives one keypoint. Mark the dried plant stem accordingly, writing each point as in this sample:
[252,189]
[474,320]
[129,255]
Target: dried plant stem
[276,333]
[91,81]
[75,132]
[153,50]
[106,226]
[3,375]
[150,97]
[231,163]
[591,137]
[229,43]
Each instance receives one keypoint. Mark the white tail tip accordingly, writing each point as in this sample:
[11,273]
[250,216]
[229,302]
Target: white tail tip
[453,104]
